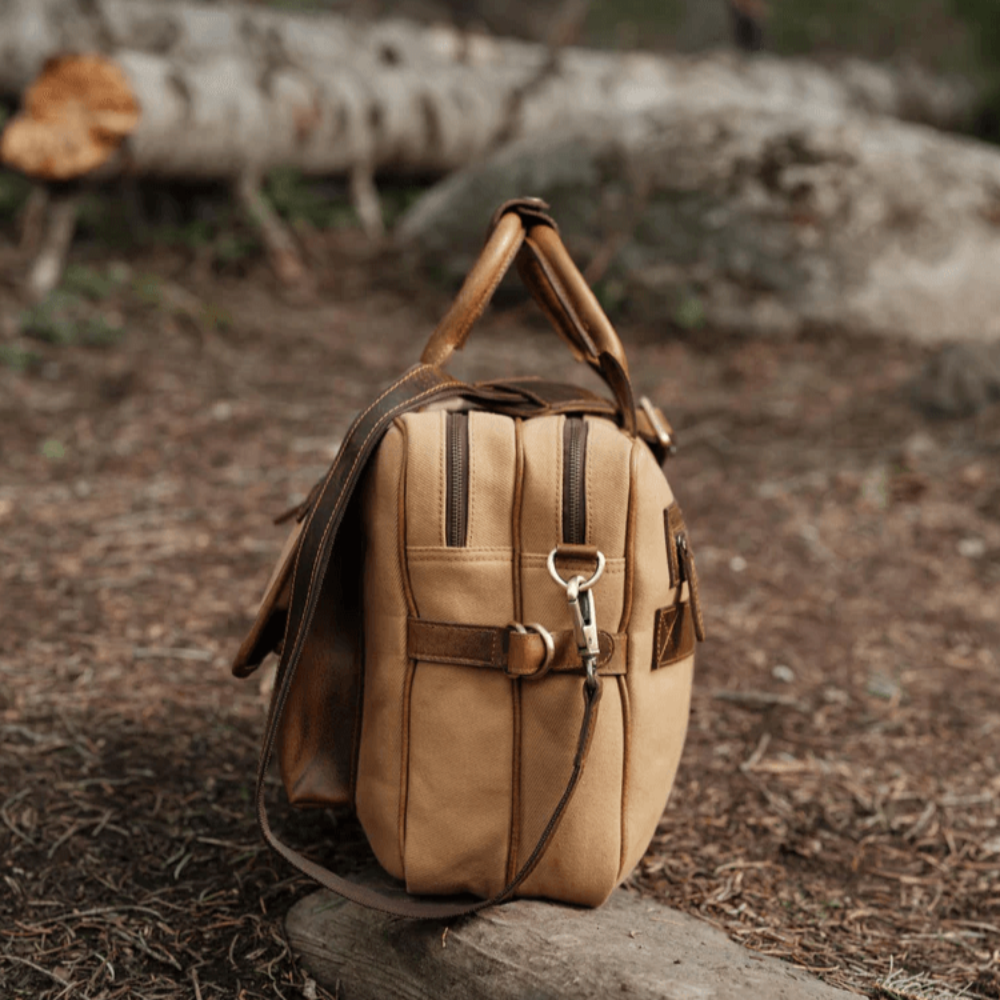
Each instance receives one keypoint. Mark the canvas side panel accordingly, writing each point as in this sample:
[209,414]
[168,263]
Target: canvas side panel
[608,456]
[659,700]
[582,861]
[461,720]
[386,665]
[462,586]
[459,788]
[541,510]
[425,478]
[491,481]
[609,452]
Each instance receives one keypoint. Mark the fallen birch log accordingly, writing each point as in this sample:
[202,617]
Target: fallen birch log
[630,947]
[226,88]
[229,92]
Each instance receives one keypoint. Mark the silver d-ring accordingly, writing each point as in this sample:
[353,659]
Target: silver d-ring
[550,651]
[585,584]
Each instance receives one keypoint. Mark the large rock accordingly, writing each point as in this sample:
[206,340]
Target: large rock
[630,947]
[721,210]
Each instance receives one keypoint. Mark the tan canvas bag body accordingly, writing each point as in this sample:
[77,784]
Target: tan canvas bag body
[487,614]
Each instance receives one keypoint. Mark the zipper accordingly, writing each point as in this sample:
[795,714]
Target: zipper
[689,573]
[574,512]
[457,471]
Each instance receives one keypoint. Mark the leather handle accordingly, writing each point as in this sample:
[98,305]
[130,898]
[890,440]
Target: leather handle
[480,283]
[522,231]
[557,275]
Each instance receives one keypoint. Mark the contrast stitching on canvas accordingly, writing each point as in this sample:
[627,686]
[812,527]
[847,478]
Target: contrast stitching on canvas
[411,599]
[630,538]
[404,762]
[626,771]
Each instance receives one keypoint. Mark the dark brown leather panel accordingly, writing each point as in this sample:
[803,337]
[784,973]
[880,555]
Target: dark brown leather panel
[691,575]
[317,753]
[461,645]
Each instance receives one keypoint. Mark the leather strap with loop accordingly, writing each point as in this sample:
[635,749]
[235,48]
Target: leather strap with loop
[418,387]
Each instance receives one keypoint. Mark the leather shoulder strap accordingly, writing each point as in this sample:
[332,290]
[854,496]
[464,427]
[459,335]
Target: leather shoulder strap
[419,386]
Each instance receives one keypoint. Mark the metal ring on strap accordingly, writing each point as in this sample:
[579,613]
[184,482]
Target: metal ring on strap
[584,584]
[550,649]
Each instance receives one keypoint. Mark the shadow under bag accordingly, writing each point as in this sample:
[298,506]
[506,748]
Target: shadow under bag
[486,616]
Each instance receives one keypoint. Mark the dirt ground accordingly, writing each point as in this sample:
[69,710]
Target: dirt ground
[839,796]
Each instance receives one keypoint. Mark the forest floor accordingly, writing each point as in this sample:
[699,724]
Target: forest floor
[839,796]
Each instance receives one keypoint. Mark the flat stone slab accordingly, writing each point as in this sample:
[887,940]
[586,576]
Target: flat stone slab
[528,950]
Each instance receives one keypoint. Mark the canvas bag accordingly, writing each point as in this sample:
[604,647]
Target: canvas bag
[486,616]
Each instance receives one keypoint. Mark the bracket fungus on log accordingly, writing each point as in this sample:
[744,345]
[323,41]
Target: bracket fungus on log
[74,118]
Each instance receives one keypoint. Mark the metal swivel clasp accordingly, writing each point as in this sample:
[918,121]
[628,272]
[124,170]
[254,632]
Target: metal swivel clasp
[583,610]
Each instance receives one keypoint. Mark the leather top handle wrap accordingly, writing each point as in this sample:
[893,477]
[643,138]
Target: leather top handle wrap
[522,231]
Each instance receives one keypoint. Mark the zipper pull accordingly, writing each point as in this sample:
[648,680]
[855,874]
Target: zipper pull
[689,573]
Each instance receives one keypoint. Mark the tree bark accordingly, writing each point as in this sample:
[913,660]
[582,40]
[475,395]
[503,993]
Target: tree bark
[227,89]
[630,947]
